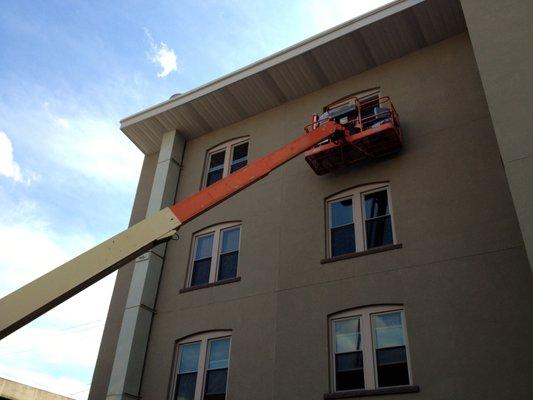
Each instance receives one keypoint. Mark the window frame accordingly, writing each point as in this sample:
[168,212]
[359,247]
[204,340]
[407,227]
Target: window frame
[216,230]
[228,148]
[204,339]
[368,345]
[357,194]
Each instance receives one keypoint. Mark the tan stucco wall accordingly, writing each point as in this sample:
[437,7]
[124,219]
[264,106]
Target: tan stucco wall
[462,273]
[502,35]
[17,391]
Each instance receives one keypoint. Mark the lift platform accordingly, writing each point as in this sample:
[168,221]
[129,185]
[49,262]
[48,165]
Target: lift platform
[372,131]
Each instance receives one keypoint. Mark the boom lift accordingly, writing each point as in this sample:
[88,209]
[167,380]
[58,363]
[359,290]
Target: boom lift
[338,133]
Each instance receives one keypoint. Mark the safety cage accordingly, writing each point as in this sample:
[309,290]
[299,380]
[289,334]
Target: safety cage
[372,131]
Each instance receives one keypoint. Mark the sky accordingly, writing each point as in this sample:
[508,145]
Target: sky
[69,71]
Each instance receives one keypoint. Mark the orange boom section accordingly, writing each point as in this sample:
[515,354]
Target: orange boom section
[196,204]
[372,130]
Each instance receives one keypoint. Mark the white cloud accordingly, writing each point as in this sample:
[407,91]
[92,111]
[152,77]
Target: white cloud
[162,55]
[97,149]
[8,165]
[53,341]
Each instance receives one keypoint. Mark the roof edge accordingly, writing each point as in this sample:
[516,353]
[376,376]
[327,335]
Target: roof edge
[273,59]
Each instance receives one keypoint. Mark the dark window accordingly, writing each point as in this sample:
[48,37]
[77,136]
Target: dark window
[348,355]
[215,171]
[342,232]
[187,371]
[229,253]
[217,369]
[239,157]
[202,260]
[378,224]
[389,343]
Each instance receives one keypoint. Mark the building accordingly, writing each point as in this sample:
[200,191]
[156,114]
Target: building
[11,390]
[268,293]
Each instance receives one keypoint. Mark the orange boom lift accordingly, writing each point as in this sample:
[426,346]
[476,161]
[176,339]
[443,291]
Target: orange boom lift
[348,133]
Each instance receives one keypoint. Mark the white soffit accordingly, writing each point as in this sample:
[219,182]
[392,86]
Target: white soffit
[348,49]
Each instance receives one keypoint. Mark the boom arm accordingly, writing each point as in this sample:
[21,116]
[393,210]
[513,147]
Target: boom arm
[37,297]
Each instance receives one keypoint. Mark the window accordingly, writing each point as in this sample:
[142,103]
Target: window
[201,370]
[359,219]
[369,349]
[215,254]
[225,159]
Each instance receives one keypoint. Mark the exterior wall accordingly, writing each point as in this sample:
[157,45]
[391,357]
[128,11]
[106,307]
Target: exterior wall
[106,354]
[505,62]
[17,391]
[462,274]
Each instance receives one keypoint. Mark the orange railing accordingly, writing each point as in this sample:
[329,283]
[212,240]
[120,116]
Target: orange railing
[371,110]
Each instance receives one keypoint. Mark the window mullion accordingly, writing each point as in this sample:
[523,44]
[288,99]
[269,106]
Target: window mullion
[214,256]
[358,223]
[368,352]
[227,160]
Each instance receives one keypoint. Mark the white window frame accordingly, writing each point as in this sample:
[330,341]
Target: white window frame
[357,195]
[204,340]
[228,155]
[367,344]
[216,230]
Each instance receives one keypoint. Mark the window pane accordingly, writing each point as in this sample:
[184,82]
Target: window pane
[378,232]
[376,204]
[341,213]
[200,272]
[218,353]
[216,160]
[240,157]
[230,240]
[388,330]
[342,240]
[392,367]
[214,176]
[185,386]
[228,265]
[216,167]
[204,247]
[189,357]
[349,371]
[215,384]
[347,335]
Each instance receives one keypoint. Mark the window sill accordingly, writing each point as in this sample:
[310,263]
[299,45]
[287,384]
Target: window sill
[350,394]
[212,284]
[362,253]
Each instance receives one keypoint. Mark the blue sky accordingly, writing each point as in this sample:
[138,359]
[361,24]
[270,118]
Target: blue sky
[69,71]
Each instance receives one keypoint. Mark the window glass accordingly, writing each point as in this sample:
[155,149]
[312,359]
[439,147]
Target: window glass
[349,357]
[391,357]
[376,204]
[216,167]
[347,336]
[239,158]
[204,246]
[341,213]
[217,369]
[229,253]
[230,240]
[202,262]
[342,227]
[378,223]
[187,371]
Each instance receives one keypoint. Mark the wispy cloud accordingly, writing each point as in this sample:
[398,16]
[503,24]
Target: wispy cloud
[8,166]
[161,55]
